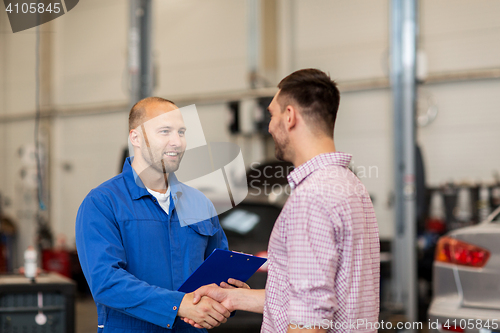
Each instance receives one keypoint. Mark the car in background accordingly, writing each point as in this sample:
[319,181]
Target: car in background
[467,279]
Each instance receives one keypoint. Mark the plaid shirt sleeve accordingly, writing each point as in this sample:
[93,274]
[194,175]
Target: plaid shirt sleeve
[312,234]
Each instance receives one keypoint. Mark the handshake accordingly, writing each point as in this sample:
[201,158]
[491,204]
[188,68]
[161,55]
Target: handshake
[210,305]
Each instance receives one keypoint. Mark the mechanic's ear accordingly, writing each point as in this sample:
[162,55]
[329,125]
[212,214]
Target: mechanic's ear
[135,138]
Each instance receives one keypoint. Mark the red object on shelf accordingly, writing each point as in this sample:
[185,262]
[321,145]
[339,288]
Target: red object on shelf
[57,261]
[435,225]
[3,258]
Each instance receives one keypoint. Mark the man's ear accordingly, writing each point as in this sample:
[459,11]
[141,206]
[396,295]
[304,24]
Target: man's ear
[290,117]
[135,138]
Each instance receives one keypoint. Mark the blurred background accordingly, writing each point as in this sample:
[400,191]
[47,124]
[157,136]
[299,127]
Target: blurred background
[66,88]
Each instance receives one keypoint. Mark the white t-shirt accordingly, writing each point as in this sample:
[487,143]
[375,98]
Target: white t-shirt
[163,198]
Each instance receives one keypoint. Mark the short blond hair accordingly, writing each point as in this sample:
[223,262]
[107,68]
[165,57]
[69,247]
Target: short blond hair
[137,115]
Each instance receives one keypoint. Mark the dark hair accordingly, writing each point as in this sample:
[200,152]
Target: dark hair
[137,114]
[315,93]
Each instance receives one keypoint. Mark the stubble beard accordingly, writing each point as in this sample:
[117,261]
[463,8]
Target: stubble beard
[162,165]
[278,151]
[170,166]
[280,144]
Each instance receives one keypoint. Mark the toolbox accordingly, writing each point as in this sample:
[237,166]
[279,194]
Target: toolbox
[44,305]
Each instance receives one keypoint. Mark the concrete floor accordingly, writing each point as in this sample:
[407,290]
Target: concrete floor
[85,315]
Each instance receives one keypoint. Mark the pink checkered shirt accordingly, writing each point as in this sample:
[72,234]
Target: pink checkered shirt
[324,252]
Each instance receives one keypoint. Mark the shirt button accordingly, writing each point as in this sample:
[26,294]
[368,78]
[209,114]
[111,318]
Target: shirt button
[168,325]
[175,308]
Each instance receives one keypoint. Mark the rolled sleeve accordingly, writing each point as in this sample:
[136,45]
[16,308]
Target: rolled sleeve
[313,259]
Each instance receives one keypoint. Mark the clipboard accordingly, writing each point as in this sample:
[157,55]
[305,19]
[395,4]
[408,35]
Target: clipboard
[220,266]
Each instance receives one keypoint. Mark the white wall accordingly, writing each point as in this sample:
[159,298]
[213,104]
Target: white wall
[364,130]
[18,52]
[462,143]
[460,34]
[200,46]
[90,53]
[86,152]
[349,39]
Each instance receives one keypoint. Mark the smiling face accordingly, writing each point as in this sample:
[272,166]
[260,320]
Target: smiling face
[163,137]
[277,129]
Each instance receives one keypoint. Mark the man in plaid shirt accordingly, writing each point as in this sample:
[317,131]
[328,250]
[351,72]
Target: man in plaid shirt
[324,255]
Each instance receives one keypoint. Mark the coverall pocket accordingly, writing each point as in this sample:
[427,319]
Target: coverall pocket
[204,228]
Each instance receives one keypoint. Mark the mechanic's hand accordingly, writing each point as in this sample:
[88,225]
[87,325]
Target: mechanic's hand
[214,292]
[218,294]
[233,283]
[204,313]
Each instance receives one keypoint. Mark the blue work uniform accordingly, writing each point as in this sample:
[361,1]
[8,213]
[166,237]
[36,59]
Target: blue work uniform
[135,256]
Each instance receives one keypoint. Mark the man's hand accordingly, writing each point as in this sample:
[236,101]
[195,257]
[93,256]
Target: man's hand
[233,283]
[220,295]
[216,293]
[205,313]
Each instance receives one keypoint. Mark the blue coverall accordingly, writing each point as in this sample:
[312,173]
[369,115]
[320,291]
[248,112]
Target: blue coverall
[135,256]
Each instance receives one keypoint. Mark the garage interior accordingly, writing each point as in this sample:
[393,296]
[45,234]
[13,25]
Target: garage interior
[419,112]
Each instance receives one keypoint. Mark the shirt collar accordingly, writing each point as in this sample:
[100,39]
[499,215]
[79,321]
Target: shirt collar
[318,162]
[135,185]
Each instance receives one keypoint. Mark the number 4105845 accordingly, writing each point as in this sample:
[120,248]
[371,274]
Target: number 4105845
[33,8]
[472,324]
